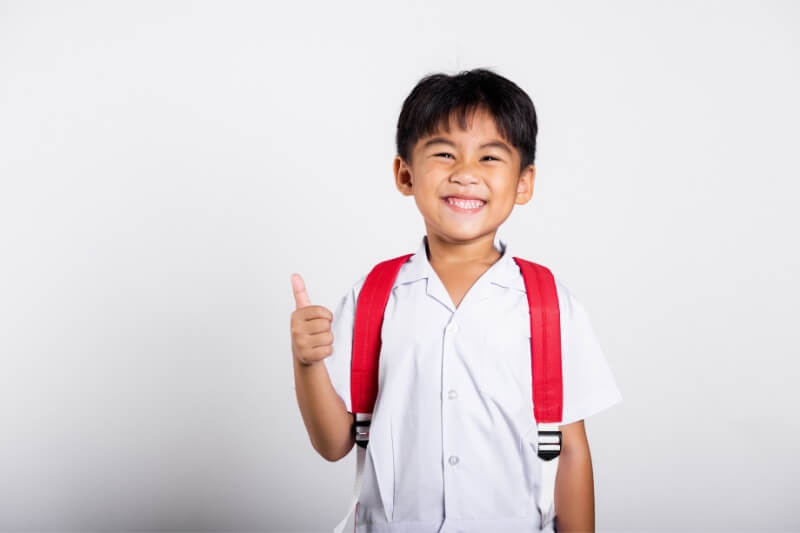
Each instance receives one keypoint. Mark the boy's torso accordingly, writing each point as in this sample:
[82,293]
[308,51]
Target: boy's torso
[453,428]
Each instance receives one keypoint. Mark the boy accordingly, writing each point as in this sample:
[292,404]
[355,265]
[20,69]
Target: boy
[451,444]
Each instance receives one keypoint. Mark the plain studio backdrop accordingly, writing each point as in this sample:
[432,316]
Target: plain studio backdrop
[166,166]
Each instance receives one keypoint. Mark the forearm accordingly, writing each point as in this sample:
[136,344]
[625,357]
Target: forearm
[326,418]
[574,491]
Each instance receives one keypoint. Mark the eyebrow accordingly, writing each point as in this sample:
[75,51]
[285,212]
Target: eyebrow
[494,144]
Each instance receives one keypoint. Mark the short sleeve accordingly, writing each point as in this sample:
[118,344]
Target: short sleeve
[338,363]
[589,385]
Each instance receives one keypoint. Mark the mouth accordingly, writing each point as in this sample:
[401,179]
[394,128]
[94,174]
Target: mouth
[464,205]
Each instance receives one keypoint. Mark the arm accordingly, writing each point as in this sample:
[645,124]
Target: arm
[574,491]
[327,421]
[325,415]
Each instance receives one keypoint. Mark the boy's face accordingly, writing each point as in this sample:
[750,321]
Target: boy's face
[465,182]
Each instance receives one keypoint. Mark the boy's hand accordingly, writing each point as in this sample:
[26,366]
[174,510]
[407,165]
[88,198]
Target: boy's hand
[312,339]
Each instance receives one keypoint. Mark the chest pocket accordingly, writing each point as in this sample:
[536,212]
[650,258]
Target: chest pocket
[506,369]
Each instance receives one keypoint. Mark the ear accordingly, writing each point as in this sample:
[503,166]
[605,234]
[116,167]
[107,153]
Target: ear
[525,185]
[402,176]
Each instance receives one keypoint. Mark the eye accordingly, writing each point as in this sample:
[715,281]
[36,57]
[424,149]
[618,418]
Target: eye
[492,158]
[443,154]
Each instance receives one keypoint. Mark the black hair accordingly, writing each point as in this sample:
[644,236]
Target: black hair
[437,96]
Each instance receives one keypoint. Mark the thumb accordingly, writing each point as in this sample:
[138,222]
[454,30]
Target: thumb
[301,298]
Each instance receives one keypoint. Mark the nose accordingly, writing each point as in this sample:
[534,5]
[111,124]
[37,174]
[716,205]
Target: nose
[464,175]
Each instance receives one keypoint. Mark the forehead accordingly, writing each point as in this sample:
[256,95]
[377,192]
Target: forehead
[475,122]
[478,120]
[476,127]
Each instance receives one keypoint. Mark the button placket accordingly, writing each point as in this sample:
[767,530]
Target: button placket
[450,418]
[449,346]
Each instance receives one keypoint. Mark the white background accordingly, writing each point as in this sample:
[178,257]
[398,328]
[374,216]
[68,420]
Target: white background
[165,167]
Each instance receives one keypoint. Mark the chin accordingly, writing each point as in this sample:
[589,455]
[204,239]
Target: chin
[460,235]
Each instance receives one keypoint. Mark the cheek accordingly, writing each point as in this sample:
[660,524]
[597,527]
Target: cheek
[425,186]
[504,194]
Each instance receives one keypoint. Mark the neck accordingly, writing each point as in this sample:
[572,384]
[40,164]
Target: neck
[444,252]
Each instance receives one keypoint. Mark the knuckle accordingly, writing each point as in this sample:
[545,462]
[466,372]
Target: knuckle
[323,311]
[320,325]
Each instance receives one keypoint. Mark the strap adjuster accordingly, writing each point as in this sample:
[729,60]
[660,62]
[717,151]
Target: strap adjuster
[361,429]
[549,444]
[361,432]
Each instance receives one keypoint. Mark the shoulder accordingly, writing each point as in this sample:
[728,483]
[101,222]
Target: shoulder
[394,268]
[567,300]
[355,288]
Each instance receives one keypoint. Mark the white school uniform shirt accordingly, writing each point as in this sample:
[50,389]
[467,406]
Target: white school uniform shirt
[452,444]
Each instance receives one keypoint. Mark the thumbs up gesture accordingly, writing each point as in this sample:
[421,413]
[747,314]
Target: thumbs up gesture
[312,339]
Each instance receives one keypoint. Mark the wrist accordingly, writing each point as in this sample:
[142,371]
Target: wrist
[302,364]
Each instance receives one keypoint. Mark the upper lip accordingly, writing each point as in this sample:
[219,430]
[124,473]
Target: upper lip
[464,197]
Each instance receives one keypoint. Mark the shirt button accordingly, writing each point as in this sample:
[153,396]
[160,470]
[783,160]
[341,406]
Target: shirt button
[452,394]
[453,459]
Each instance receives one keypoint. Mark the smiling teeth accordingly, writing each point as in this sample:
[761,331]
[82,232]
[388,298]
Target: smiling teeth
[466,204]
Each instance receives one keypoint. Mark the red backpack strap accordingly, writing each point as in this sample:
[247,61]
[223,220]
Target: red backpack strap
[548,393]
[367,333]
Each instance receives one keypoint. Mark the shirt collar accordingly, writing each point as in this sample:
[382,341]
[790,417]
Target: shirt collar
[505,272]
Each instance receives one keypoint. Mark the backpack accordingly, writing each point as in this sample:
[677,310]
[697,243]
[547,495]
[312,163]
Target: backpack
[545,366]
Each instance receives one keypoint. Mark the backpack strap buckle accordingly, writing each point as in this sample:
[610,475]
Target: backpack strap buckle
[549,443]
[361,428]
